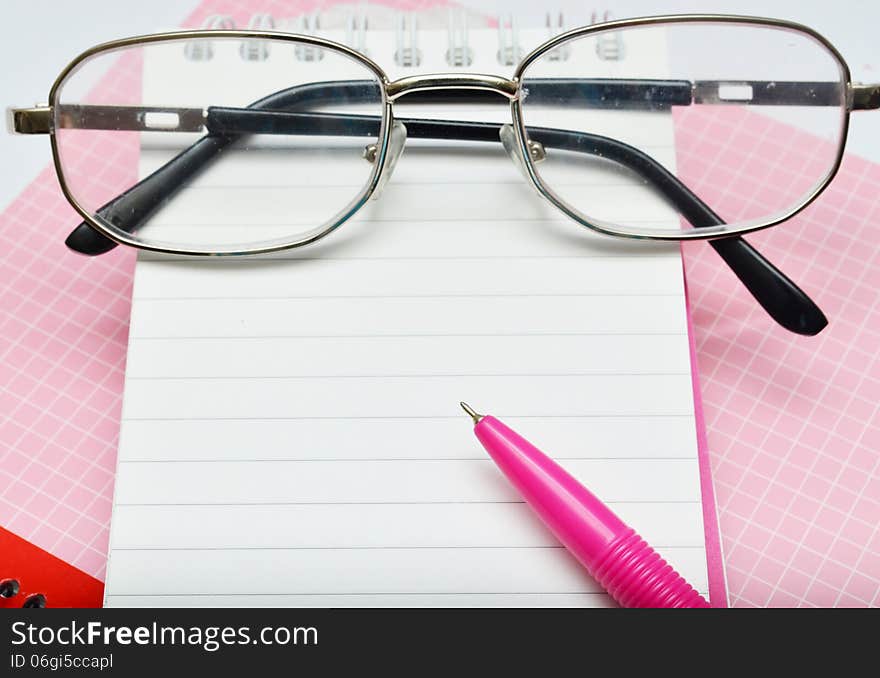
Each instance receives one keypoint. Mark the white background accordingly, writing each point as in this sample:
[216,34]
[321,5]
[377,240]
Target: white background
[40,38]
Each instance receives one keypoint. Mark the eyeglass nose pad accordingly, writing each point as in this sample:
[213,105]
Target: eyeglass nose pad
[396,143]
[511,145]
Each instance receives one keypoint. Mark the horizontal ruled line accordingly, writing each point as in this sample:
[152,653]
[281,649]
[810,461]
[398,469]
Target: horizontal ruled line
[379,593]
[280,377]
[672,219]
[678,415]
[245,460]
[647,254]
[551,547]
[510,295]
[390,503]
[401,183]
[428,335]
[559,220]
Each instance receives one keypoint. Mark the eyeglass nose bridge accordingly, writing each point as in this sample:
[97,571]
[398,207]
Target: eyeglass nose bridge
[452,81]
[430,82]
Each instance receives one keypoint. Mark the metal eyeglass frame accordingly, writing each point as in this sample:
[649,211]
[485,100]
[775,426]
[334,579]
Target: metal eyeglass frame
[782,299]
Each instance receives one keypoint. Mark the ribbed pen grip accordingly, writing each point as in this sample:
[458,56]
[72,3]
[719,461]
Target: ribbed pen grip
[636,576]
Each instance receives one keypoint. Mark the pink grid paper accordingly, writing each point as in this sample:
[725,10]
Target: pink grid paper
[793,425]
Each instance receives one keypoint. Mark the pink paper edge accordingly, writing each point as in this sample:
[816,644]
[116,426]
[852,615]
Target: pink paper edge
[714,556]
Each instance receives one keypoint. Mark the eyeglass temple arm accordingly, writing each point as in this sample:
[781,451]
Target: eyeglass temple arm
[776,293]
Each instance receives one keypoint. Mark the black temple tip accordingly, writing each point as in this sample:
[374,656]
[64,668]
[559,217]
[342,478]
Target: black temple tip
[86,240]
[808,320]
[786,303]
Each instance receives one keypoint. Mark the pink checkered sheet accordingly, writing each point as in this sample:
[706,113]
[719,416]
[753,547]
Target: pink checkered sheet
[792,423]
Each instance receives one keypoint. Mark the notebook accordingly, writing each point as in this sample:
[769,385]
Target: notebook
[291,432]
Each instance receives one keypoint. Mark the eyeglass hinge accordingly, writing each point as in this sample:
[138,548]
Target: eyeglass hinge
[865,97]
[36,120]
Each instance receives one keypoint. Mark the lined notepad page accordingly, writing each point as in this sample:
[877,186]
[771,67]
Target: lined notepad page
[291,431]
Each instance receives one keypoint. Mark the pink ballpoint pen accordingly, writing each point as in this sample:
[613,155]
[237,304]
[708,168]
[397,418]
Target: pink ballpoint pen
[617,557]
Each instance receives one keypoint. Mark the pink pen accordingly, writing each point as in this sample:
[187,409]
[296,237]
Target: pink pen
[617,557]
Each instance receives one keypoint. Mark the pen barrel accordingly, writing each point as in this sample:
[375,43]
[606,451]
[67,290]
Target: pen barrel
[618,558]
[585,525]
[635,575]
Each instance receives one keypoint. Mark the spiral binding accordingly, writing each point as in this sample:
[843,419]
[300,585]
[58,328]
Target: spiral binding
[203,50]
[9,588]
[509,50]
[458,52]
[406,39]
[407,53]
[554,28]
[308,24]
[257,50]
[356,25]
[609,45]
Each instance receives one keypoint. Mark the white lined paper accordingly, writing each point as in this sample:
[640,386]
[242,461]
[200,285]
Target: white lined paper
[291,425]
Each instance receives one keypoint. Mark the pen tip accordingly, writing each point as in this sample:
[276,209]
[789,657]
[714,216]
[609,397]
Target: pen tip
[470,410]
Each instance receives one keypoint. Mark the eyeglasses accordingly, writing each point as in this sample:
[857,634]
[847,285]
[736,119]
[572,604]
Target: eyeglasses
[320,116]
